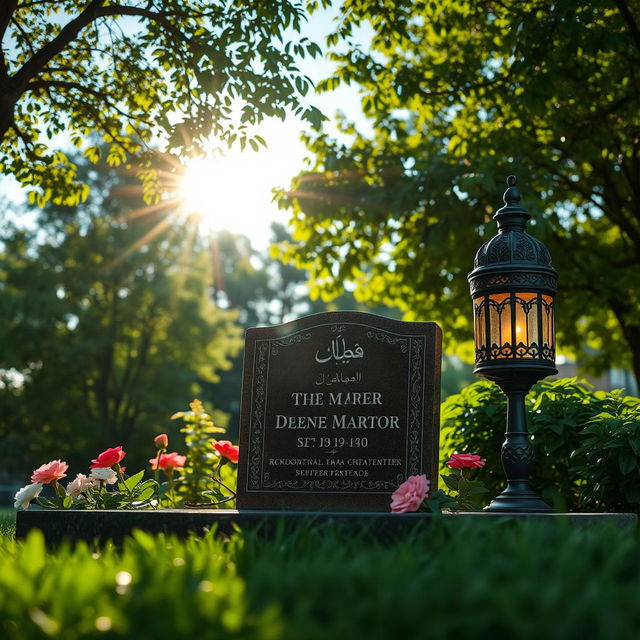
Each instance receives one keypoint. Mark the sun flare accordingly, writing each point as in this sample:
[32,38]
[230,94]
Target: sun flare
[234,192]
[212,188]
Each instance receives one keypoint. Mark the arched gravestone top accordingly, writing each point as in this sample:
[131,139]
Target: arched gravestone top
[338,409]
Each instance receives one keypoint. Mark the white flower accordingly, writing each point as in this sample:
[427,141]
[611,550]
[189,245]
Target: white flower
[79,486]
[25,495]
[105,474]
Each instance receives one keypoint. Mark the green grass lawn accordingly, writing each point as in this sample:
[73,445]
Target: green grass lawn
[450,580]
[7,521]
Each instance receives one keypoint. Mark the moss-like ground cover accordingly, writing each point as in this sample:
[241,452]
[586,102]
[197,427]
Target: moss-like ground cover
[465,580]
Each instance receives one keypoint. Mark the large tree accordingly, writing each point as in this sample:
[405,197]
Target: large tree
[459,94]
[107,326]
[181,69]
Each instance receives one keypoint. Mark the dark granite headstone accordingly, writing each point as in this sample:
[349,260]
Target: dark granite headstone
[338,409]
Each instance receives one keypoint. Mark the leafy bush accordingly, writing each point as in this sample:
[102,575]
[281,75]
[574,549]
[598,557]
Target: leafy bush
[586,444]
[609,457]
[466,579]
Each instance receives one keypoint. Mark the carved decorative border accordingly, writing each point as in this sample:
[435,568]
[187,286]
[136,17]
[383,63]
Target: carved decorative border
[257,413]
[416,397]
[415,347]
[520,279]
[383,336]
[335,485]
[296,338]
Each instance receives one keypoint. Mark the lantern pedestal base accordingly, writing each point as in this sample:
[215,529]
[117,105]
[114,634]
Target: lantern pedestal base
[517,452]
[514,500]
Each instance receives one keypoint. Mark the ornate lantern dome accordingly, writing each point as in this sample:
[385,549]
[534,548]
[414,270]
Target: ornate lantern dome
[516,247]
[513,285]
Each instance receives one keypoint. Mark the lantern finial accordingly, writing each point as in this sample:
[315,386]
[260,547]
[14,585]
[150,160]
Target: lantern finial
[512,215]
[511,195]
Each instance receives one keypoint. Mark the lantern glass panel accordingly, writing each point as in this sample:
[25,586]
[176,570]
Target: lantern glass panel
[548,328]
[500,325]
[480,325]
[527,333]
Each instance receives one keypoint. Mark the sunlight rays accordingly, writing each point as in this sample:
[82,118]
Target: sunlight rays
[230,190]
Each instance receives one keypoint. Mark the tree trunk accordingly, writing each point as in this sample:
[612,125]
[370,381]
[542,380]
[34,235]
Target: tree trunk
[7,105]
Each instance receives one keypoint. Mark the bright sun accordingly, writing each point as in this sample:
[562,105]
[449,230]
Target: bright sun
[234,192]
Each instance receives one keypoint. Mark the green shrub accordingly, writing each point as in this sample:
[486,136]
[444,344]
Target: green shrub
[586,444]
[609,457]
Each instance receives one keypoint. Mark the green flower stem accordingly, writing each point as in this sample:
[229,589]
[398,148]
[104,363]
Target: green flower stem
[118,469]
[58,491]
[90,497]
[170,492]
[157,477]
[219,481]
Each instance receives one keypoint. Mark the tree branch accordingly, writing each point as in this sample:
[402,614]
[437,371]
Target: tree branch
[27,5]
[67,84]
[7,9]
[34,65]
[26,140]
[161,18]
[24,35]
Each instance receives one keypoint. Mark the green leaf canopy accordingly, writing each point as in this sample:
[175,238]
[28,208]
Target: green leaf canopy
[132,69]
[457,95]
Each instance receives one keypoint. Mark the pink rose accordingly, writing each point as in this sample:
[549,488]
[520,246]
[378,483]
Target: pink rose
[49,472]
[161,441]
[410,494]
[226,449]
[168,461]
[108,458]
[465,460]
[81,485]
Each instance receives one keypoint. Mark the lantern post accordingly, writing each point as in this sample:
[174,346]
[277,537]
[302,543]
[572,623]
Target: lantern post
[512,287]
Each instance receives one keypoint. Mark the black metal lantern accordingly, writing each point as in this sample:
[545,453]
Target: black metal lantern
[512,287]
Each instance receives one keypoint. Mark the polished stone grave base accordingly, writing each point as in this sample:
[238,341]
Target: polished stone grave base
[115,525]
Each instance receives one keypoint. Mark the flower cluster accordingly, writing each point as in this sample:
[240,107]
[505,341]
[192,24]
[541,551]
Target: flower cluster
[106,487]
[413,494]
[104,470]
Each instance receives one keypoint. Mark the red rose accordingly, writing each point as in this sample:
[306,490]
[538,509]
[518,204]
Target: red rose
[465,460]
[168,461]
[108,458]
[226,449]
[162,441]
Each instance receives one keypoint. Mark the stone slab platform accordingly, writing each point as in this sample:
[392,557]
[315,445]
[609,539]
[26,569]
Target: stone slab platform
[58,525]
